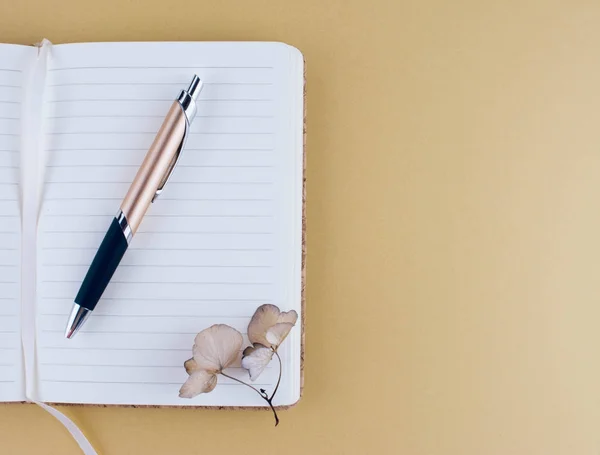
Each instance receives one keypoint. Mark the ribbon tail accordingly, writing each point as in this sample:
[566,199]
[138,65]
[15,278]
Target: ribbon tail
[77,434]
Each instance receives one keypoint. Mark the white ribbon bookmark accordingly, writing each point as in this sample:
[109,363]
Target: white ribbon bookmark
[77,434]
[32,168]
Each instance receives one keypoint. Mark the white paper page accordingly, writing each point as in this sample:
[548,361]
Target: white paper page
[222,239]
[14,62]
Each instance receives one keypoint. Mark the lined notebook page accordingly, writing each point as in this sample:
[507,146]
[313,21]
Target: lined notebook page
[222,239]
[13,63]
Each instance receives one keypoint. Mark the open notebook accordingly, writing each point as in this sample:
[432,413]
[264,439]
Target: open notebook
[225,236]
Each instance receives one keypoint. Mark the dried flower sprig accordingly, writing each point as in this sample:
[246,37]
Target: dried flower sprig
[218,347]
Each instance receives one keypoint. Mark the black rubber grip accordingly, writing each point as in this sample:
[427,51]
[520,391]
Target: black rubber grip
[103,267]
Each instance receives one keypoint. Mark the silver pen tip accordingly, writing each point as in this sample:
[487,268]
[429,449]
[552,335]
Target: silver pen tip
[195,87]
[77,318]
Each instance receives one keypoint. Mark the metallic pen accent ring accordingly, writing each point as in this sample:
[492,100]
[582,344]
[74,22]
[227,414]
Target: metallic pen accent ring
[124,225]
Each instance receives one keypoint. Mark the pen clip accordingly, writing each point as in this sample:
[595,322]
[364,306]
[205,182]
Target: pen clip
[172,165]
[187,103]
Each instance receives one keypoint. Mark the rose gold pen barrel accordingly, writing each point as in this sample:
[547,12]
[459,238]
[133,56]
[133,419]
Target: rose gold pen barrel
[161,157]
[161,154]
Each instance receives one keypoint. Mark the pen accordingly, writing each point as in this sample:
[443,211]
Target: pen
[148,184]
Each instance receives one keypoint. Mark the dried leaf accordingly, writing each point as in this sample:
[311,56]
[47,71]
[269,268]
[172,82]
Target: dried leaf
[276,334]
[214,349]
[217,347]
[190,366]
[199,382]
[266,318]
[255,359]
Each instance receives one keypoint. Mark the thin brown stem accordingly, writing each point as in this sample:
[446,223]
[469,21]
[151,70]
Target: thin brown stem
[263,396]
[242,382]
[274,412]
[279,378]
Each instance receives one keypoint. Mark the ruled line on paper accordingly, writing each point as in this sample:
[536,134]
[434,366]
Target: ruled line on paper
[170,183]
[203,133]
[185,316]
[77,348]
[157,265]
[128,332]
[142,382]
[162,199]
[160,249]
[129,100]
[150,215]
[156,68]
[173,299]
[147,116]
[153,232]
[188,166]
[211,283]
[137,83]
[94,365]
[187,149]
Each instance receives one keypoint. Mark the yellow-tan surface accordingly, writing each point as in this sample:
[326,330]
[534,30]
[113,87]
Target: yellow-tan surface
[453,292]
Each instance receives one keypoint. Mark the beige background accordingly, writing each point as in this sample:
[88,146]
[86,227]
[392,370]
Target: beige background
[453,228]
